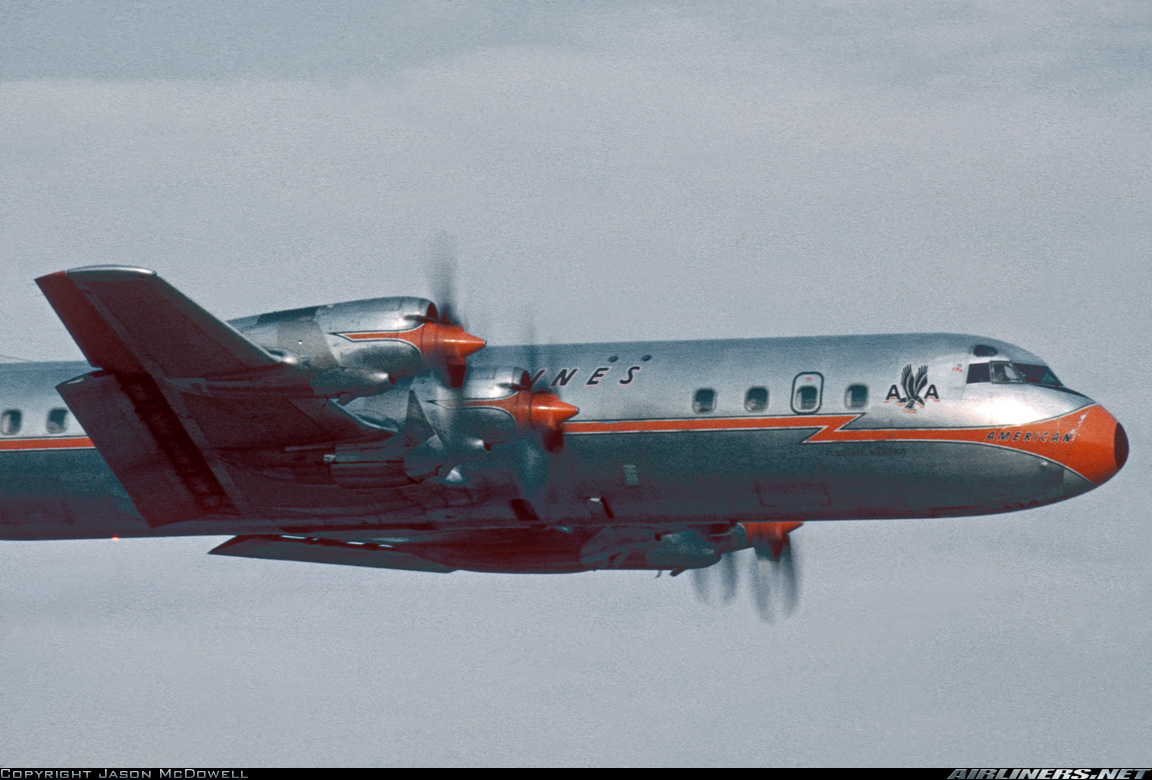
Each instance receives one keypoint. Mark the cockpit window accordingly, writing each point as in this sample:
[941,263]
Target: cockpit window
[1004,372]
[983,350]
[978,372]
[997,372]
[1040,375]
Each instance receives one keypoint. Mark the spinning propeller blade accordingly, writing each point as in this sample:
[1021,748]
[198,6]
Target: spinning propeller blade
[772,575]
[453,343]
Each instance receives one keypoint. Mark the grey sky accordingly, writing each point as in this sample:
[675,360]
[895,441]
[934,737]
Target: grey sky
[671,170]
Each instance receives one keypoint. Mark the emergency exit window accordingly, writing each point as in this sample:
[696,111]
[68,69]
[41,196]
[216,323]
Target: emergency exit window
[807,390]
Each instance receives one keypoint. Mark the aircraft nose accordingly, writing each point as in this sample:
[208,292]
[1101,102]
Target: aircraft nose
[1101,445]
[1120,446]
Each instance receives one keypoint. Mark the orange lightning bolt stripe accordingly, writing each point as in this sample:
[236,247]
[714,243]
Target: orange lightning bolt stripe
[1091,428]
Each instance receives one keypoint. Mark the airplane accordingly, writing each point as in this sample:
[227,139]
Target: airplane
[380,433]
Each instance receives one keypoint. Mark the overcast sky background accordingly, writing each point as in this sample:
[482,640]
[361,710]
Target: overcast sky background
[665,170]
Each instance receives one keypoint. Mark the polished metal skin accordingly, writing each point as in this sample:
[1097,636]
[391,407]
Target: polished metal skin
[659,455]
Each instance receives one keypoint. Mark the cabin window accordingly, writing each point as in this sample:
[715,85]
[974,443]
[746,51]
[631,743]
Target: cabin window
[10,422]
[856,396]
[756,399]
[806,392]
[57,421]
[704,401]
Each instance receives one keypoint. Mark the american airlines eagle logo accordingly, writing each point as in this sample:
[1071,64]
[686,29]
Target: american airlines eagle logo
[913,385]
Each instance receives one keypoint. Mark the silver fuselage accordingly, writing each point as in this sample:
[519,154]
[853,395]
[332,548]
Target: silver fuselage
[648,447]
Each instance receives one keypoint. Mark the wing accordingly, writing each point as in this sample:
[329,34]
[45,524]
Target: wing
[182,453]
[331,551]
[509,550]
[132,323]
[129,320]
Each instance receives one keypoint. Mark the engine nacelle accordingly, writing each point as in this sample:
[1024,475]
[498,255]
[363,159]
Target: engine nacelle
[499,404]
[446,428]
[357,348]
[495,406]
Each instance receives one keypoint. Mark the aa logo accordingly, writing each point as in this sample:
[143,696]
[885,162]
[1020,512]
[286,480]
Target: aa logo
[913,386]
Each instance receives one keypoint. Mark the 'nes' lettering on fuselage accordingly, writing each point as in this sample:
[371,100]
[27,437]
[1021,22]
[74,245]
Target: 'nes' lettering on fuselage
[598,378]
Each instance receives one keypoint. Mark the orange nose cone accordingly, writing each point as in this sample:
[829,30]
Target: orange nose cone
[449,342]
[1100,447]
[548,411]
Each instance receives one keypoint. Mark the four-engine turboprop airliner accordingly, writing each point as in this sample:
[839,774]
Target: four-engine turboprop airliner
[380,433]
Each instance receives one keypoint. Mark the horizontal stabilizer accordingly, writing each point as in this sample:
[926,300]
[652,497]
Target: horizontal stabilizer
[129,320]
[315,550]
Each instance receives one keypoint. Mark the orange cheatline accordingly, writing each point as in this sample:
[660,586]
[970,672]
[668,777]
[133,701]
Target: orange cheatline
[1088,440]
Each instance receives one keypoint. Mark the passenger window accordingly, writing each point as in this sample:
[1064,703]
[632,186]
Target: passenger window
[704,401]
[10,422]
[856,396]
[806,392]
[756,399]
[57,421]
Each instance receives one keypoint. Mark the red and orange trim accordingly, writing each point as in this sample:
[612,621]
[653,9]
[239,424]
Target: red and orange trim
[1092,428]
[45,443]
[449,342]
[530,409]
